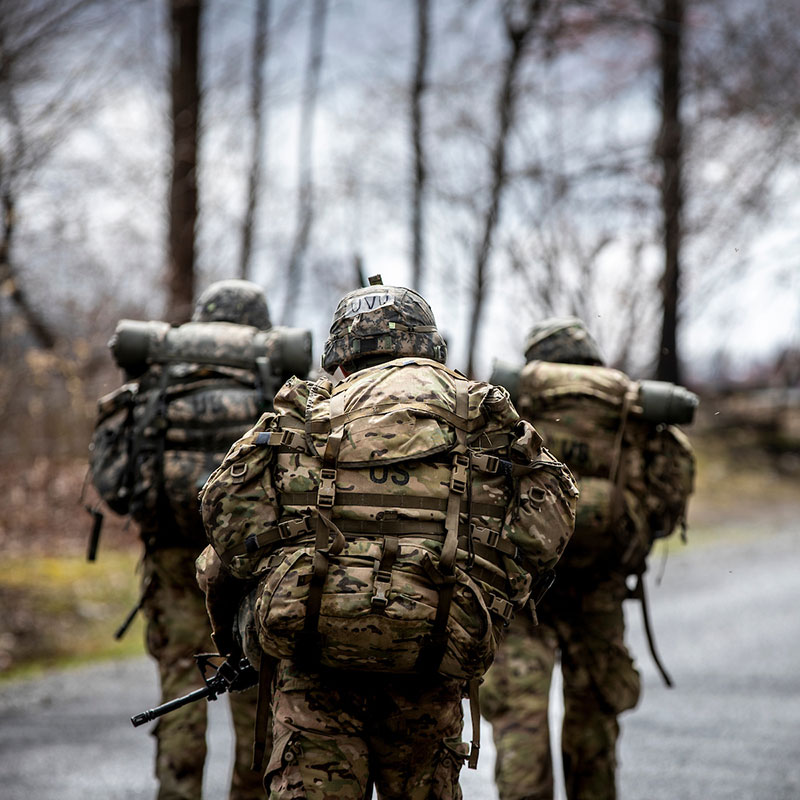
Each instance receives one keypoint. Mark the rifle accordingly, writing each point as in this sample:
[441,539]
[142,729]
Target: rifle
[230,676]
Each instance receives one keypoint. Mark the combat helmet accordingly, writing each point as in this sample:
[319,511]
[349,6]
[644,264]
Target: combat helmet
[382,321]
[562,339]
[233,301]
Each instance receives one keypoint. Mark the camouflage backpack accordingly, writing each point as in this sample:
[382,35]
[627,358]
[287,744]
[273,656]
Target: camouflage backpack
[635,471]
[199,386]
[381,518]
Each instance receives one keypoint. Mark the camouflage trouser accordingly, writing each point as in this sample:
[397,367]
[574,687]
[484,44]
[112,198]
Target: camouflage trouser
[332,731]
[600,681]
[177,628]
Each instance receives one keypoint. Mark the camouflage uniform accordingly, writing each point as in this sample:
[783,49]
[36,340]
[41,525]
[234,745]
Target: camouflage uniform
[586,628]
[177,628]
[581,620]
[332,728]
[174,607]
[335,728]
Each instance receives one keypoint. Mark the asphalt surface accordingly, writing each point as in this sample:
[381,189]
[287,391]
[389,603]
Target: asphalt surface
[727,619]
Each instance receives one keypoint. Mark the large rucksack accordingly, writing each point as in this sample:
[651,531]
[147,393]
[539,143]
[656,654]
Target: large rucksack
[635,469]
[198,387]
[381,517]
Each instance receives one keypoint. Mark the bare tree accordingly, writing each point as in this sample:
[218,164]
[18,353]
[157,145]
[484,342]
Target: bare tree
[30,131]
[418,82]
[518,30]
[257,112]
[185,27]
[669,151]
[305,199]
[9,281]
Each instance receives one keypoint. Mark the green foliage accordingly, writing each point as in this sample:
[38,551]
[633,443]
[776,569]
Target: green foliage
[63,610]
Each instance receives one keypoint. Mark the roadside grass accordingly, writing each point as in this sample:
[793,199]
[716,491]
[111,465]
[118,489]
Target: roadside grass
[62,611]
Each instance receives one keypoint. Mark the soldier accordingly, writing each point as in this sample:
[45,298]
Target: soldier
[634,477]
[391,522]
[180,421]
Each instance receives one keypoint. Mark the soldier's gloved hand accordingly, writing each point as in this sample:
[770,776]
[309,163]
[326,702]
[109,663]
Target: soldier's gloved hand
[246,678]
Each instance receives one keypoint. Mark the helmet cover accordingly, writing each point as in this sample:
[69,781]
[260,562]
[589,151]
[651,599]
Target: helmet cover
[564,340]
[382,320]
[238,301]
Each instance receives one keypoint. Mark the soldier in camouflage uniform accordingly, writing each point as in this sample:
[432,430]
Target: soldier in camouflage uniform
[336,729]
[177,621]
[580,620]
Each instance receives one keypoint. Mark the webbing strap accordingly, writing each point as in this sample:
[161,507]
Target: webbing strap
[485,541]
[432,652]
[487,576]
[500,606]
[397,527]
[383,572]
[493,539]
[292,440]
[287,422]
[475,722]
[326,495]
[496,510]
[616,469]
[266,672]
[160,423]
[459,480]
[283,531]
[638,593]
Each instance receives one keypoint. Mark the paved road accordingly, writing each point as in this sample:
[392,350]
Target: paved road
[727,620]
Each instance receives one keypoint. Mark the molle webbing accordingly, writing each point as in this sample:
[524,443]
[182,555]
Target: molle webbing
[393,501]
[486,543]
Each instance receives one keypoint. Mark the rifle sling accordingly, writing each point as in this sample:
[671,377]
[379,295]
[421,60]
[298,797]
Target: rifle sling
[638,593]
[266,672]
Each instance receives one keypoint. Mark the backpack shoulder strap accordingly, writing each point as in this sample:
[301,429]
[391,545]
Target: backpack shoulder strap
[308,649]
[443,575]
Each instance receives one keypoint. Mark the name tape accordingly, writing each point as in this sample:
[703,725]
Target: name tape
[368,302]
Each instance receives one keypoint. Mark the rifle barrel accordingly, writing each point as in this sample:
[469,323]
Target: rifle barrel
[151,714]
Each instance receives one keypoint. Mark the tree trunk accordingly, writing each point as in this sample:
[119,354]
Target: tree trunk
[517,34]
[9,282]
[185,27]
[669,151]
[305,199]
[417,92]
[260,54]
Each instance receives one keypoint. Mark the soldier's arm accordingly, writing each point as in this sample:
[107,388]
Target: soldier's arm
[223,594]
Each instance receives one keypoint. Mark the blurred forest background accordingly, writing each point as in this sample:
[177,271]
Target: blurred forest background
[634,162]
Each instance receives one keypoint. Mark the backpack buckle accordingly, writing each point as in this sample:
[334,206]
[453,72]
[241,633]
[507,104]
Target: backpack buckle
[327,488]
[383,582]
[485,535]
[501,607]
[458,480]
